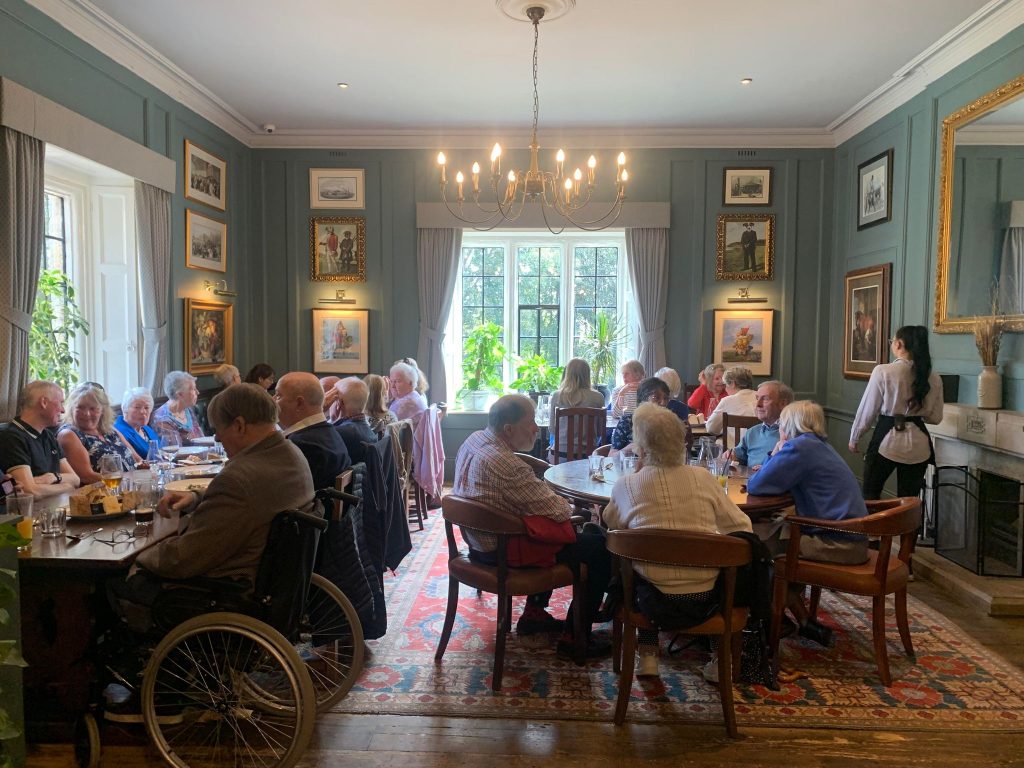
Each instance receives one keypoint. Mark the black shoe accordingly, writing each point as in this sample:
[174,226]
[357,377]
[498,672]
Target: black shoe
[538,624]
[596,649]
[817,633]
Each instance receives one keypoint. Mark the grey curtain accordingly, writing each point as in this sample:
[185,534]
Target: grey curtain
[647,257]
[153,223]
[437,259]
[21,248]
[1011,267]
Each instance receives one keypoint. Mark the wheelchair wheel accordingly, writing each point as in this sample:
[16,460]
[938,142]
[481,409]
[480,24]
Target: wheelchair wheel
[227,689]
[330,642]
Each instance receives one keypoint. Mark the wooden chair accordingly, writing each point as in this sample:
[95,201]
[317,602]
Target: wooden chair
[603,450]
[539,466]
[688,390]
[881,575]
[500,579]
[675,548]
[584,430]
[341,483]
[737,424]
[402,442]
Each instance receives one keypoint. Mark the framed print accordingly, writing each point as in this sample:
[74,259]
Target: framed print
[205,177]
[208,335]
[744,337]
[746,246]
[866,320]
[206,242]
[747,186]
[341,340]
[337,188]
[337,248]
[874,190]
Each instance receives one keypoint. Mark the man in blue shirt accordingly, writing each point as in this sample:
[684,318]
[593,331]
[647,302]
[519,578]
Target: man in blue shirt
[760,440]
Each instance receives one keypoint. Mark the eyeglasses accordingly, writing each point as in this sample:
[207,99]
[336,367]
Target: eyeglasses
[121,536]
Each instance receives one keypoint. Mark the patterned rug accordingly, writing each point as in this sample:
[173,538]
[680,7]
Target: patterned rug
[955,684]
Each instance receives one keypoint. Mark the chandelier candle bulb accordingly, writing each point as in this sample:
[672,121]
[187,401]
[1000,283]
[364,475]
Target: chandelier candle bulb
[459,178]
[496,161]
[559,162]
[591,164]
[441,160]
[577,177]
[568,190]
[476,178]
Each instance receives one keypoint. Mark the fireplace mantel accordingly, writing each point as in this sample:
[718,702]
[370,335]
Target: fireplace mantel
[992,432]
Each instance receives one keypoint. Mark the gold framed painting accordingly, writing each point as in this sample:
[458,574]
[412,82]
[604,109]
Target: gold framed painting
[209,334]
[744,337]
[206,242]
[745,246]
[341,341]
[206,177]
[337,248]
[866,320]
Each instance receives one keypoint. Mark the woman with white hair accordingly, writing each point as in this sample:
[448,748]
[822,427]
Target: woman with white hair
[422,385]
[175,419]
[407,403]
[133,423]
[89,433]
[664,493]
[740,398]
[226,375]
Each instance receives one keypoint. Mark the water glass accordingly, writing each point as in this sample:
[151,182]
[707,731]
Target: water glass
[629,464]
[597,467]
[54,521]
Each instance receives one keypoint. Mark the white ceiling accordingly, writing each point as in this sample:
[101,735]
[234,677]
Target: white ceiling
[646,70]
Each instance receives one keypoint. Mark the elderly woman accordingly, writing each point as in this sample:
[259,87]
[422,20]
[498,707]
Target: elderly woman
[711,390]
[175,419]
[651,390]
[624,399]
[89,433]
[407,402]
[261,374]
[675,386]
[805,465]
[740,398]
[666,494]
[422,385]
[133,423]
[574,392]
[226,375]
[377,414]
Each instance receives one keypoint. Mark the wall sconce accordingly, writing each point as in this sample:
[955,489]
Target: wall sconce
[746,298]
[339,298]
[218,287]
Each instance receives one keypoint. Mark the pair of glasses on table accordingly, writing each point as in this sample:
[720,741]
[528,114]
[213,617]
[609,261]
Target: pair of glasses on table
[120,536]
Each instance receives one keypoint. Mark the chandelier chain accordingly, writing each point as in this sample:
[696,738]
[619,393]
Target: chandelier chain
[536,98]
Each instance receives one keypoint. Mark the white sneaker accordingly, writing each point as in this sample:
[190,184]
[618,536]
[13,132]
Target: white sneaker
[648,661]
[710,671]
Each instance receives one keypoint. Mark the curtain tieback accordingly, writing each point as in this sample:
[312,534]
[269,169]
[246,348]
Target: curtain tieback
[647,337]
[432,333]
[154,335]
[19,318]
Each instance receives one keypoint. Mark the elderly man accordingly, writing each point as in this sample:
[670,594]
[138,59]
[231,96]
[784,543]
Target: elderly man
[28,448]
[624,398]
[300,401]
[759,441]
[407,403]
[353,426]
[739,399]
[487,470]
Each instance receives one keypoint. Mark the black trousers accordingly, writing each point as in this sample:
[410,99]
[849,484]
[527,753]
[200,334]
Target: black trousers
[877,468]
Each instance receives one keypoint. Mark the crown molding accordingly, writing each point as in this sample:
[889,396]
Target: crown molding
[87,22]
[973,35]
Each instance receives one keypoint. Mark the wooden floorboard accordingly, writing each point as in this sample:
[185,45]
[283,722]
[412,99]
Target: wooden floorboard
[393,741]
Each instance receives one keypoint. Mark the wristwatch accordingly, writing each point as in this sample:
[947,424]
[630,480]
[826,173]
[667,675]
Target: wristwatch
[58,479]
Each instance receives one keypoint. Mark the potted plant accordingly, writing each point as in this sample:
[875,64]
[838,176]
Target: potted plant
[599,345]
[536,376]
[483,353]
[56,321]
[12,746]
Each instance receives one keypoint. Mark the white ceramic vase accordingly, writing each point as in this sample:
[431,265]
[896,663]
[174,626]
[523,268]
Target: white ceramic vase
[990,388]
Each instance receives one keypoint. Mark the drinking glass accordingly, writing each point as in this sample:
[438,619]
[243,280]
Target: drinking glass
[111,471]
[22,505]
[54,521]
[597,467]
[170,444]
[149,497]
[629,464]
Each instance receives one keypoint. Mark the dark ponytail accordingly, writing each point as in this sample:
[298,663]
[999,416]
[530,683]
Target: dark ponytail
[915,341]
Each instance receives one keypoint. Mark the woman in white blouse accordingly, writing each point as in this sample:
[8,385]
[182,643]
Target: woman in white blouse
[904,395]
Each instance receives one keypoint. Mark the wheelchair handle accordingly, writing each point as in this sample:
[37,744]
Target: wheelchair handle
[340,495]
[307,518]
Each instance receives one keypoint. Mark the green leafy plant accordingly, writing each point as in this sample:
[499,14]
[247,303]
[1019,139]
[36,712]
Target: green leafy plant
[10,654]
[599,344]
[56,321]
[483,353]
[536,375]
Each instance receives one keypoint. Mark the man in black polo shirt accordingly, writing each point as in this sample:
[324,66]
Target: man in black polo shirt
[28,448]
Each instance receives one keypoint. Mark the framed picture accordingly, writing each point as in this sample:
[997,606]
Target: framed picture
[206,242]
[746,246]
[337,188]
[208,335]
[744,337]
[205,177]
[874,190]
[341,340]
[337,248]
[866,320]
[747,186]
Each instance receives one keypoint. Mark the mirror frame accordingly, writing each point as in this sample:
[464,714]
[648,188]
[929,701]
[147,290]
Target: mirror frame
[976,109]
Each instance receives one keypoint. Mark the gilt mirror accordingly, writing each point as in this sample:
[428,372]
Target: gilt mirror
[981,212]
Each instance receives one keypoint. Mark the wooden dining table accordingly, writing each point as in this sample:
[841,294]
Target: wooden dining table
[572,480]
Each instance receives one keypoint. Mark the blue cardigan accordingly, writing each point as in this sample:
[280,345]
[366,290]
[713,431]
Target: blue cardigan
[138,444]
[821,483]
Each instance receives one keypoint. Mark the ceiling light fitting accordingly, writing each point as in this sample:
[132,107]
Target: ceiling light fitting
[567,195]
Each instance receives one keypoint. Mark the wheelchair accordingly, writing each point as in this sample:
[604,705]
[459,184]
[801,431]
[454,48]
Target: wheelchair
[238,679]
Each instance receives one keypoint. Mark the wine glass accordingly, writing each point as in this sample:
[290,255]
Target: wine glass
[170,444]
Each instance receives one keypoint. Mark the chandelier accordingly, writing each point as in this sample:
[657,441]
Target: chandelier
[568,194]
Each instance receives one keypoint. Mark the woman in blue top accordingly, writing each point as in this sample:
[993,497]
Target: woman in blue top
[133,423]
[806,466]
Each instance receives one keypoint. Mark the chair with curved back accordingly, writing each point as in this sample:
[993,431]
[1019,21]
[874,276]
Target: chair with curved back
[584,430]
[500,579]
[677,548]
[881,575]
[737,425]
[539,466]
[603,450]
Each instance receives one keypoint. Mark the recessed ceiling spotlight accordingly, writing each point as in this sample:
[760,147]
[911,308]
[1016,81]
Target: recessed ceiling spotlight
[746,81]
[343,86]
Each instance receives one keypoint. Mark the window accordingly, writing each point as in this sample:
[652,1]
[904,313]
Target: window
[542,289]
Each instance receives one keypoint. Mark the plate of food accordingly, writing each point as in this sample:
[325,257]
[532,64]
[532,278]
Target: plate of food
[200,470]
[189,484]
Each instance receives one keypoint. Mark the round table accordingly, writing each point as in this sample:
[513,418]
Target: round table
[571,479]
